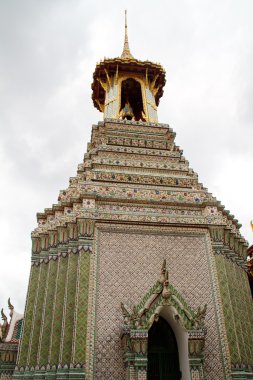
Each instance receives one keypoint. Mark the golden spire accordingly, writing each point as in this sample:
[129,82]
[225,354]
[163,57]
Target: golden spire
[126,54]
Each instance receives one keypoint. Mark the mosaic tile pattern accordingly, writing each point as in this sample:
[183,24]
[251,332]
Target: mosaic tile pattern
[58,311]
[82,304]
[70,308]
[5,376]
[38,316]
[238,310]
[28,316]
[97,172]
[136,260]
[59,317]
[45,339]
[128,264]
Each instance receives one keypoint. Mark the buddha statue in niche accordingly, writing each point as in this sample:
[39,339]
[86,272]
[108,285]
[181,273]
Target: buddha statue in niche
[131,100]
[127,112]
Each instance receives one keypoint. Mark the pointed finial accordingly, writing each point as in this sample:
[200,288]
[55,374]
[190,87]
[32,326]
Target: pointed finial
[4,318]
[163,272]
[166,292]
[126,54]
[11,307]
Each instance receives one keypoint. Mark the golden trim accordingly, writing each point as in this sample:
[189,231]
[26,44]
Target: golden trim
[155,91]
[118,65]
[117,75]
[110,101]
[152,85]
[144,102]
[108,78]
[118,99]
[101,106]
[153,105]
[103,84]
[116,96]
[141,80]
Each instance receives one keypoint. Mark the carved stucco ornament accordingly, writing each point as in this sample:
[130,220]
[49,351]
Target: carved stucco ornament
[138,321]
[3,327]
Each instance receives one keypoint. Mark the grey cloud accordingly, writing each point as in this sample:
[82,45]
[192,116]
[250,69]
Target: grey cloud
[48,51]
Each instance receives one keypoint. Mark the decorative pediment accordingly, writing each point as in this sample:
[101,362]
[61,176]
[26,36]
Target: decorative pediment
[137,322]
[163,294]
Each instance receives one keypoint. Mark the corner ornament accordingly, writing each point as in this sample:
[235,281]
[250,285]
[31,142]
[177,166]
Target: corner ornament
[4,326]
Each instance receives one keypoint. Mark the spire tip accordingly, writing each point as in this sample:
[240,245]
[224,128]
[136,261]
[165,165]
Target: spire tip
[126,50]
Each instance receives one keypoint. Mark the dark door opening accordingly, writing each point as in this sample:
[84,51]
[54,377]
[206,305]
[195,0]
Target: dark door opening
[250,278]
[163,360]
[131,98]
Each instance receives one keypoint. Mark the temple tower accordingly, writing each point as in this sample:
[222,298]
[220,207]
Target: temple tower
[126,88]
[138,272]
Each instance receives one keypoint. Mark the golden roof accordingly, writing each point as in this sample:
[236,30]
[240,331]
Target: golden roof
[125,64]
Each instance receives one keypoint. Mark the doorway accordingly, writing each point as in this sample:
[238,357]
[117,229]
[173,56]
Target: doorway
[163,359]
[131,92]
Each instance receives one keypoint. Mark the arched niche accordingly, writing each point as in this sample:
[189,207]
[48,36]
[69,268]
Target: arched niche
[163,355]
[170,315]
[131,100]
[163,301]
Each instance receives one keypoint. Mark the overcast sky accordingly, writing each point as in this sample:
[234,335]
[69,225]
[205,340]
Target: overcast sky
[48,52]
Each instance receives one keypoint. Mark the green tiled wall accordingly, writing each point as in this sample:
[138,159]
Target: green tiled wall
[38,315]
[45,341]
[58,310]
[238,310]
[28,315]
[70,309]
[56,316]
[81,324]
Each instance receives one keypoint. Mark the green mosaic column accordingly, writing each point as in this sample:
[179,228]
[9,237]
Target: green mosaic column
[37,320]
[70,293]
[58,311]
[135,348]
[81,308]
[22,361]
[47,323]
[243,310]
[238,310]
[227,309]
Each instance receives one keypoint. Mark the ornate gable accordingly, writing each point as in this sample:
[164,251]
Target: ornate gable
[162,297]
